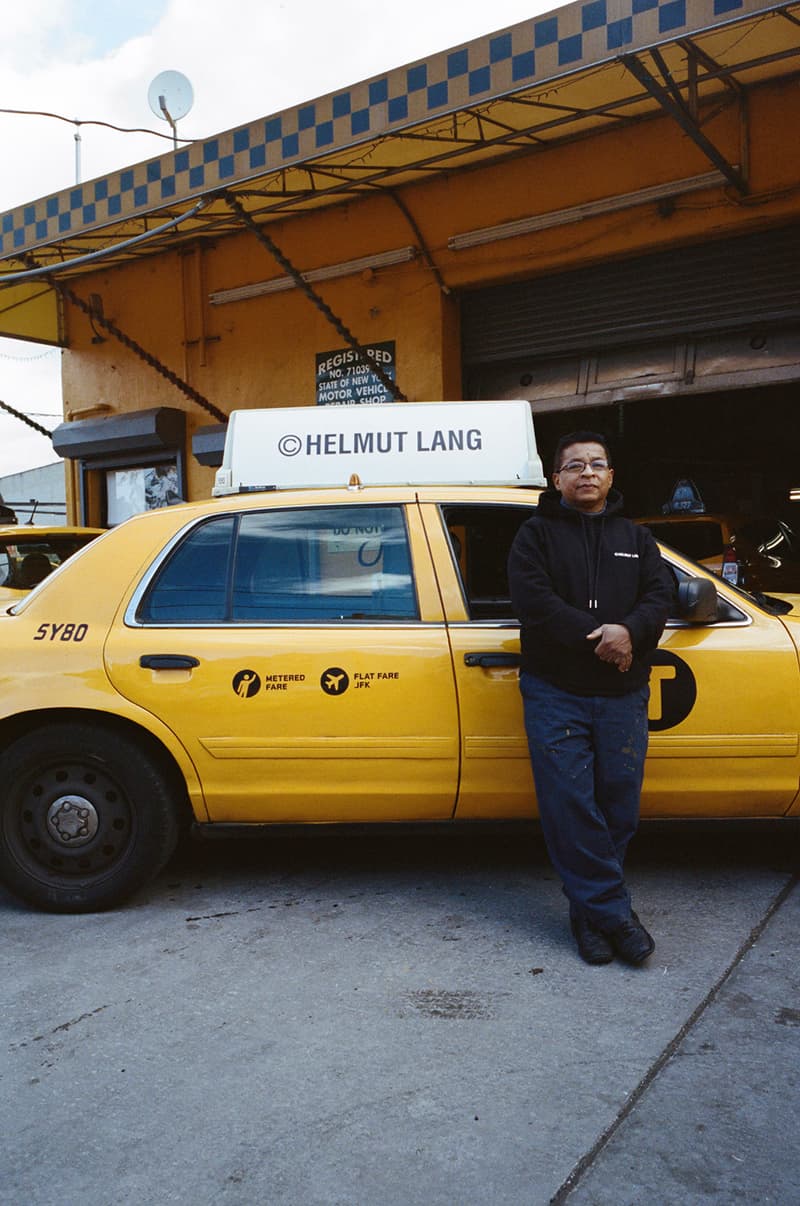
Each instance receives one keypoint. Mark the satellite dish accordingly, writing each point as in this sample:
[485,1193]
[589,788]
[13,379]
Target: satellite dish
[170,97]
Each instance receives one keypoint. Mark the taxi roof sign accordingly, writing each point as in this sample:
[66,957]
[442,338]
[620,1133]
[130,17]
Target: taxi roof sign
[384,444]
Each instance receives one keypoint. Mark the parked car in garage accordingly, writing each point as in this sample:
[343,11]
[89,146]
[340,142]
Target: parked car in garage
[29,553]
[337,653]
[759,553]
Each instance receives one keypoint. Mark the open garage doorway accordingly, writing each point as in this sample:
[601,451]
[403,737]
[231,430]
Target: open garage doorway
[741,449]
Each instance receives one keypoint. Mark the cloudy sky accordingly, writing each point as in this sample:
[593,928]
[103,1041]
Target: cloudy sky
[94,60]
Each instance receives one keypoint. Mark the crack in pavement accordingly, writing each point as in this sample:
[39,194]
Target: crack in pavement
[38,1038]
[585,1163]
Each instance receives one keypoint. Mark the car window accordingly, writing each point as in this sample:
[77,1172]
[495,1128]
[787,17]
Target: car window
[699,540]
[192,585]
[481,538]
[25,562]
[322,564]
[316,564]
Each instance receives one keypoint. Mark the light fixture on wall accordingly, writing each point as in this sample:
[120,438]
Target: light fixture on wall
[384,259]
[576,213]
[84,412]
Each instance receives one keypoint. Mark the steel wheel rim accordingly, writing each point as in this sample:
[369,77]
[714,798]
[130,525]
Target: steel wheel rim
[72,819]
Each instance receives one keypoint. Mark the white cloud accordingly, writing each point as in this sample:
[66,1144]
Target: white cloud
[30,381]
[245,59]
[26,29]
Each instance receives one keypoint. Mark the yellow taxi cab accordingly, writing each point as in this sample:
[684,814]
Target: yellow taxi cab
[338,653]
[29,553]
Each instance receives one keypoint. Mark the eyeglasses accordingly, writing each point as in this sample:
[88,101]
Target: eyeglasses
[597,466]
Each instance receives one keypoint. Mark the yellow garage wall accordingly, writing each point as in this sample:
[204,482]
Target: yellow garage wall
[255,353]
[617,162]
[261,351]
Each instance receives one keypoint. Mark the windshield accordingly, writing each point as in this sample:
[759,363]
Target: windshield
[25,562]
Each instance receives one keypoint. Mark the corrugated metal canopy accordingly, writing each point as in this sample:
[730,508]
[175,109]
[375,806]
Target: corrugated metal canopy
[580,69]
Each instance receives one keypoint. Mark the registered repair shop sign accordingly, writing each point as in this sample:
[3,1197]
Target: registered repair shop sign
[344,380]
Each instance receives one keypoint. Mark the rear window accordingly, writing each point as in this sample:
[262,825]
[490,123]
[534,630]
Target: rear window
[24,563]
[699,540]
[311,565]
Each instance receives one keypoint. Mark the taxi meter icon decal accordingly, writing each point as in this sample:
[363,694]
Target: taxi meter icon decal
[246,683]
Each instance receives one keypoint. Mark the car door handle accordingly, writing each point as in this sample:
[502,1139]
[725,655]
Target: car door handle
[491,659]
[167,661]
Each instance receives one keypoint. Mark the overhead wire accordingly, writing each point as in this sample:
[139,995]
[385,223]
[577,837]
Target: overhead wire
[80,121]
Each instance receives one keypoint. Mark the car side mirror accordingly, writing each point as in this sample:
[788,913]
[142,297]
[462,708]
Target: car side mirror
[697,601]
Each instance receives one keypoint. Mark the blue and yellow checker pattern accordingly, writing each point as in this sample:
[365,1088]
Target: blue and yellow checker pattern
[556,44]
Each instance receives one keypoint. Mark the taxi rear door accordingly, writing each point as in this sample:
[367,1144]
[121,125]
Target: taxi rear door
[301,657]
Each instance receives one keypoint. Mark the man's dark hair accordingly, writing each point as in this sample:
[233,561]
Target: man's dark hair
[579,437]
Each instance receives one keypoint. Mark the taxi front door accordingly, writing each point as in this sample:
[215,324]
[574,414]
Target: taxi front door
[327,694]
[724,710]
[724,716]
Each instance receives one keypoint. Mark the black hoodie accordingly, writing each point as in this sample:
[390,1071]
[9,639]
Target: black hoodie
[570,572]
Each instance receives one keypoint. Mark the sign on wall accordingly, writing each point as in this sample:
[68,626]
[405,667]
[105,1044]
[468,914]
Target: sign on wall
[342,379]
[129,491]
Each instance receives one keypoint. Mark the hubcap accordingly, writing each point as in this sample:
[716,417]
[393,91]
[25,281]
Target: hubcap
[72,820]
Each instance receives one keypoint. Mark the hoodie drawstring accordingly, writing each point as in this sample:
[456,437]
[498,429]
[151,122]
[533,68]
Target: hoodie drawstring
[593,572]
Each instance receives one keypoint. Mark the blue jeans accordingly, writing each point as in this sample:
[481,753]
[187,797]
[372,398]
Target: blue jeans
[587,754]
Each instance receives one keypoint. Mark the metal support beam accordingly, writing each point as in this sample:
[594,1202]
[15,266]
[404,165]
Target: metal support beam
[679,110]
[302,284]
[668,78]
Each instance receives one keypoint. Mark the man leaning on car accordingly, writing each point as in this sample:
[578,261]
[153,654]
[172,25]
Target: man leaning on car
[592,595]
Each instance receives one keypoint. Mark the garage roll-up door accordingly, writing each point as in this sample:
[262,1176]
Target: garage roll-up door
[722,286]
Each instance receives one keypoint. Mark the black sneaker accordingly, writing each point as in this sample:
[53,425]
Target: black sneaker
[593,947]
[631,941]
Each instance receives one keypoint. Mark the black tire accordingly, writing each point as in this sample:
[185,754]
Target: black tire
[86,818]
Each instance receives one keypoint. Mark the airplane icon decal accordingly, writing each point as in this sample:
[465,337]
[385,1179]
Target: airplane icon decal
[334,680]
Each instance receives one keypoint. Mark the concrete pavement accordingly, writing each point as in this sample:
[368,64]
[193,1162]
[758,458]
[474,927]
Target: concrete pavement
[403,1019]
[716,1120]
